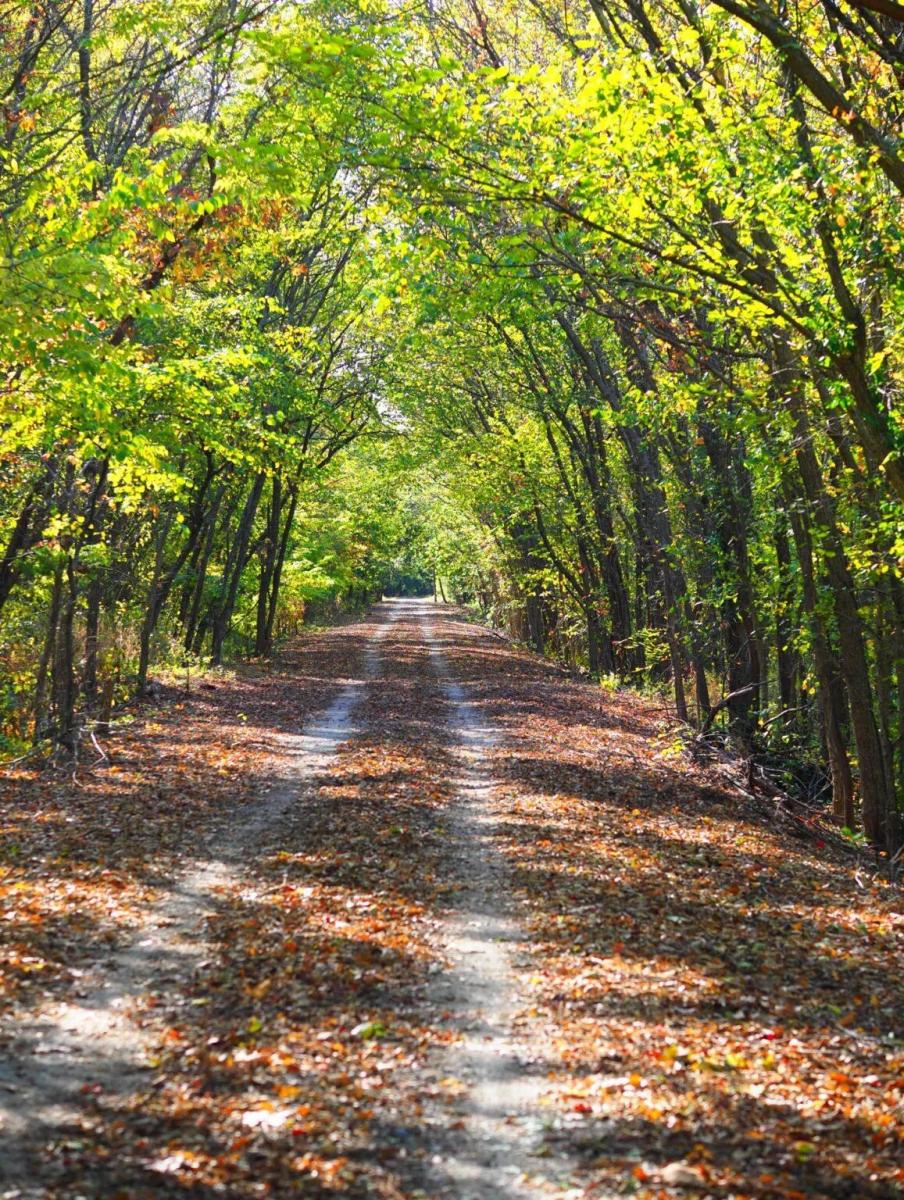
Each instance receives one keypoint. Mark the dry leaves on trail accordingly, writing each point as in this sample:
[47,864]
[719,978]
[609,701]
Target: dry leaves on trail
[293,1064]
[714,1004]
[719,997]
[83,852]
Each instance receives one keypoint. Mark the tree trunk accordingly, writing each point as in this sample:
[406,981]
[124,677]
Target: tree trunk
[784,628]
[92,639]
[64,686]
[42,681]
[221,614]
[831,696]
[202,562]
[876,800]
[267,567]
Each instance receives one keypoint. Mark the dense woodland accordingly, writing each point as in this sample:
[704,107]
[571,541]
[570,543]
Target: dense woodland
[588,310]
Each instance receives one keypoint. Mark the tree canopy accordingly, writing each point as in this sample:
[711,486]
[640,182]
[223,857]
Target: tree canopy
[587,314]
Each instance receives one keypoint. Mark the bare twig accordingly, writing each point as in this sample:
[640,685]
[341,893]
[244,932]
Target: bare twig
[724,703]
[104,756]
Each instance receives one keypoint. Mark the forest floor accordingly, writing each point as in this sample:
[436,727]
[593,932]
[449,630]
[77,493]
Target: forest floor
[416,914]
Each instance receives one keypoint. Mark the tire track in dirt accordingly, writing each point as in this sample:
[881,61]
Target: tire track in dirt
[499,1149]
[99,1041]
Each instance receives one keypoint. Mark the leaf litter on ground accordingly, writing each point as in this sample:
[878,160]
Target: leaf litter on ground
[714,1004]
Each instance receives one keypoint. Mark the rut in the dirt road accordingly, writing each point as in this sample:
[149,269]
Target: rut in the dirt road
[497,1151]
[96,1043]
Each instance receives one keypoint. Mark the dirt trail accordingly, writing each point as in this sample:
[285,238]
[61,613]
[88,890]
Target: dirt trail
[497,1152]
[487,938]
[102,1040]
[96,1043]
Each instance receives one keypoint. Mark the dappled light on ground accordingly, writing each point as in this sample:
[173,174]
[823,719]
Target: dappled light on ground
[696,1000]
